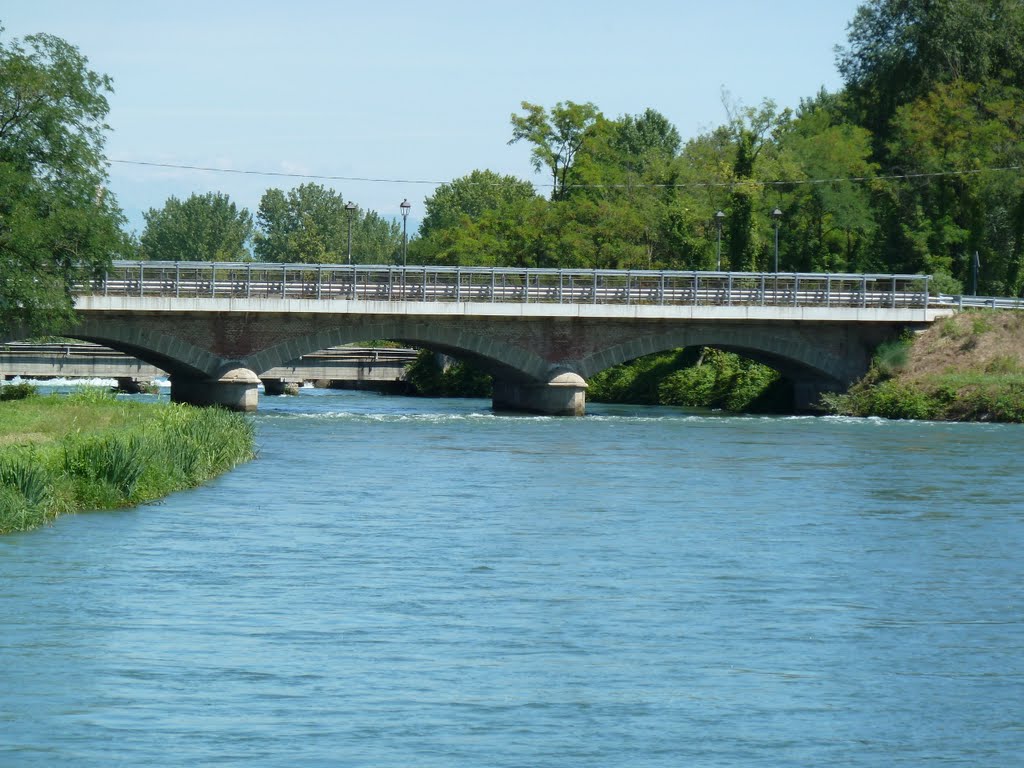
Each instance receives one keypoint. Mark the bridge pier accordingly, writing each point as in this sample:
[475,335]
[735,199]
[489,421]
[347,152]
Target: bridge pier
[807,393]
[133,385]
[563,395]
[281,386]
[235,390]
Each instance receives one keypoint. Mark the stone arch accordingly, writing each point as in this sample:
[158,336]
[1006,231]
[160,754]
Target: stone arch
[491,353]
[792,356]
[168,353]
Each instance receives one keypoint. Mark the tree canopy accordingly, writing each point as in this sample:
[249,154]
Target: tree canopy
[58,222]
[201,228]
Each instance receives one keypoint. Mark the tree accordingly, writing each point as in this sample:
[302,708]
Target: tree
[310,224]
[306,225]
[556,138]
[959,132]
[899,50]
[58,223]
[202,228]
[469,197]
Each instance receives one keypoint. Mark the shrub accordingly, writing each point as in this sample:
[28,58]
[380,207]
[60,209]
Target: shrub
[17,391]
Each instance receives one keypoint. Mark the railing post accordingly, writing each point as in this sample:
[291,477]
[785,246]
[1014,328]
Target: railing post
[248,280]
[864,292]
[177,279]
[142,269]
[728,291]
[526,289]
[319,279]
[828,291]
[796,289]
[892,303]
[213,280]
[594,297]
[458,285]
[284,282]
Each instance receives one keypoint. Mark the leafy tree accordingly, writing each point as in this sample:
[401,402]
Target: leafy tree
[556,138]
[469,197]
[202,228]
[310,224]
[899,50]
[57,221]
[306,225]
[829,223]
[961,130]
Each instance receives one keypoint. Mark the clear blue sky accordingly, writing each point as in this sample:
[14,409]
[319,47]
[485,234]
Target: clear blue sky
[410,90]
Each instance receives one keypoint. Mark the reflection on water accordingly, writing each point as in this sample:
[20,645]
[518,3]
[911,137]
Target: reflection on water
[422,582]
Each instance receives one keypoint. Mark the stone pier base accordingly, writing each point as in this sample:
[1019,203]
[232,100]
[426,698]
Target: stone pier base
[281,386]
[132,386]
[807,394]
[235,390]
[563,395]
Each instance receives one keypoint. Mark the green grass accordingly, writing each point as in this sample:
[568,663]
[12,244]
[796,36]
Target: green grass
[89,451]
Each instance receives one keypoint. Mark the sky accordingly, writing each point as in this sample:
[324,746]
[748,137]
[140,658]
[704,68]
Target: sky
[382,101]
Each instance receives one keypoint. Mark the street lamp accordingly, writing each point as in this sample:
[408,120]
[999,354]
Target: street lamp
[351,208]
[776,217]
[719,218]
[405,240]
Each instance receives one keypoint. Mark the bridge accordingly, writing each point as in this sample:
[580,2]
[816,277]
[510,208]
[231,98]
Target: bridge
[215,327]
[377,368]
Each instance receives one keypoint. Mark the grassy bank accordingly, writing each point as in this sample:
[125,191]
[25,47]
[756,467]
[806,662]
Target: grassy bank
[968,367]
[87,451]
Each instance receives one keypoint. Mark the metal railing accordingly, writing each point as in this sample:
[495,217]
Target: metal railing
[506,285]
[976,302]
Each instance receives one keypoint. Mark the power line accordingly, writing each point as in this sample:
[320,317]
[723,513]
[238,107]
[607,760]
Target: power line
[684,185]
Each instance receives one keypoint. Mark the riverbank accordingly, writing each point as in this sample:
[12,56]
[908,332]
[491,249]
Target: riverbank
[90,450]
[968,367]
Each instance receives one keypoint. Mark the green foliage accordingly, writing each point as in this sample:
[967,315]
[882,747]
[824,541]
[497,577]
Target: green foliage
[432,375]
[311,224]
[58,223]
[202,228]
[889,399]
[556,137]
[891,356]
[696,378]
[17,391]
[97,452]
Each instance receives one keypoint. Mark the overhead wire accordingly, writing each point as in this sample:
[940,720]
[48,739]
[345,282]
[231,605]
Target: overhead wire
[680,185]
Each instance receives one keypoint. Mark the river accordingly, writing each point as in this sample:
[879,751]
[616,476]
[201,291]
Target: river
[399,582]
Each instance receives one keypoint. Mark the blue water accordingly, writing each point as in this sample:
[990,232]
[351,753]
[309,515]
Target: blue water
[402,582]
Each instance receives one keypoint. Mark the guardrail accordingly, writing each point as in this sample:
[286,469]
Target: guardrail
[506,285]
[977,302]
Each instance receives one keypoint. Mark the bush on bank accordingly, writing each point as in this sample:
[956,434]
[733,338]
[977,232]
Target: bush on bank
[90,451]
[698,377]
[968,367]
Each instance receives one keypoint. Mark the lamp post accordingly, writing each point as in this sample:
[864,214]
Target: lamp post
[351,208]
[405,240]
[776,217]
[719,218]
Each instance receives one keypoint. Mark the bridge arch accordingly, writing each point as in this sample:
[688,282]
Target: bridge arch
[169,353]
[489,352]
[787,353]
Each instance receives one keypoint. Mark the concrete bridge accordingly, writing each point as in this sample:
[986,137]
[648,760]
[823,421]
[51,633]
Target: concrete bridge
[378,368]
[541,333]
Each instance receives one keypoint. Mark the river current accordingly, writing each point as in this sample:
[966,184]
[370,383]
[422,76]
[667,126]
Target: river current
[399,582]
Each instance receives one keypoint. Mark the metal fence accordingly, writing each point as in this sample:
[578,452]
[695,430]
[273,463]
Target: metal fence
[506,285]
